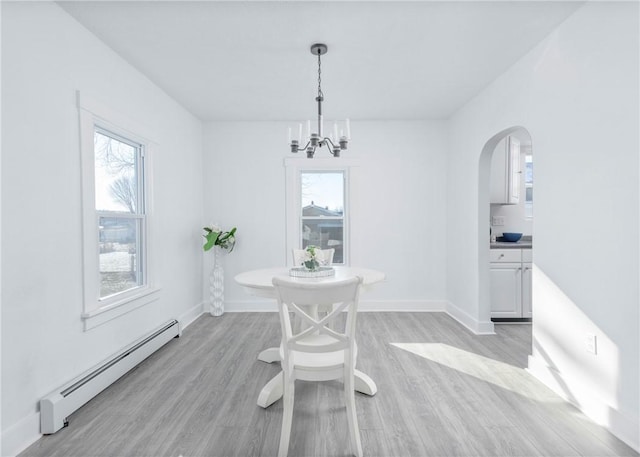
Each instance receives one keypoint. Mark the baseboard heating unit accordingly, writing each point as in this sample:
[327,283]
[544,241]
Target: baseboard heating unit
[58,405]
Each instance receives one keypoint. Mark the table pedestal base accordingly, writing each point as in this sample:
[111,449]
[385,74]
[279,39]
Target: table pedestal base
[270,355]
[272,391]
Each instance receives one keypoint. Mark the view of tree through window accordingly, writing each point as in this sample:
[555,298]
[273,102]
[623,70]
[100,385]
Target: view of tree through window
[120,208]
[322,197]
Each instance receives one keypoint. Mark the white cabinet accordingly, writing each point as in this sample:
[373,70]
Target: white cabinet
[510,283]
[526,290]
[506,172]
[506,290]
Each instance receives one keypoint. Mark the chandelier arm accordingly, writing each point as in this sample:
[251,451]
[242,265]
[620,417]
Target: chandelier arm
[332,148]
[305,146]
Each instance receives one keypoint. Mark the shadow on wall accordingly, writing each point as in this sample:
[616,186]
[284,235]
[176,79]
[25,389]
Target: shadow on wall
[579,361]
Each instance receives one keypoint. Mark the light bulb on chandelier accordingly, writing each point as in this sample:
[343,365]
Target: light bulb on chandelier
[338,140]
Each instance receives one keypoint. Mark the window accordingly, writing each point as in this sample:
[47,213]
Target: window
[116,222]
[119,205]
[322,212]
[318,210]
[528,186]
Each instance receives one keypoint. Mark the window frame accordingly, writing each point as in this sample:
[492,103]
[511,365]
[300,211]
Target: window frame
[294,169]
[139,214]
[527,204]
[96,311]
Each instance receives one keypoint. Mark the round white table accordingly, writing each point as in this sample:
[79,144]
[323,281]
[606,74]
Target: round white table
[259,283]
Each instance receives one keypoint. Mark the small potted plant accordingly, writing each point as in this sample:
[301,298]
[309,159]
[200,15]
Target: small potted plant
[311,262]
[216,237]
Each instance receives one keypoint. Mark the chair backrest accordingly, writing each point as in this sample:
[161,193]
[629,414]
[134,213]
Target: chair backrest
[324,256]
[298,297]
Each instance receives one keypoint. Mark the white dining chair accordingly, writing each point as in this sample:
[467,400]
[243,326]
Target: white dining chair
[325,256]
[318,352]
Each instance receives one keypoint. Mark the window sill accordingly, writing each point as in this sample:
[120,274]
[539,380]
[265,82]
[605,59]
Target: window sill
[99,316]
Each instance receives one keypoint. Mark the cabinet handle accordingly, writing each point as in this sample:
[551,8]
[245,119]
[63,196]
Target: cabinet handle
[501,256]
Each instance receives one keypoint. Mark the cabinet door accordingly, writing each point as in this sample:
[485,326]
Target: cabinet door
[506,172]
[515,172]
[506,289]
[527,310]
[499,181]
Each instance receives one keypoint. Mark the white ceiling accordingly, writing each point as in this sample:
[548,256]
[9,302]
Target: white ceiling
[387,60]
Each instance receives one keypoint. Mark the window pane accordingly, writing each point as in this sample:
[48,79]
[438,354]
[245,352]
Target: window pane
[120,255]
[528,169]
[115,174]
[326,234]
[322,197]
[322,192]
[528,192]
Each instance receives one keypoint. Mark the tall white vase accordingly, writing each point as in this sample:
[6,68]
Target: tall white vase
[216,284]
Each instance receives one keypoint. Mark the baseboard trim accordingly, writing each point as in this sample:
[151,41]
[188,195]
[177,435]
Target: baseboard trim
[624,426]
[402,305]
[189,316]
[21,435]
[250,306]
[475,326]
[253,306]
[470,322]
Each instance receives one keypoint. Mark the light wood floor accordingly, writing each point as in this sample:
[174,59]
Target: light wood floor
[442,391]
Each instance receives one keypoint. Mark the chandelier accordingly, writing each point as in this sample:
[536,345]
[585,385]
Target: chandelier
[338,139]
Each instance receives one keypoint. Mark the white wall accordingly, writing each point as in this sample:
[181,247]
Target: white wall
[46,57]
[577,95]
[398,222]
[1,428]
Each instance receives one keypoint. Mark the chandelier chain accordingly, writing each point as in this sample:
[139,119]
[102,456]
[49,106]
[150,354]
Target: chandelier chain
[320,94]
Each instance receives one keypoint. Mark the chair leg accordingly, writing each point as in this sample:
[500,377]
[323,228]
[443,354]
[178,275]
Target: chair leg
[352,417]
[287,414]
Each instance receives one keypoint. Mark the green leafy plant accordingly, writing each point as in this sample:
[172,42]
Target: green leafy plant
[310,261]
[216,237]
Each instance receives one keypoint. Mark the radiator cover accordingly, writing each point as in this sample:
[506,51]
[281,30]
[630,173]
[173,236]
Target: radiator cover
[58,405]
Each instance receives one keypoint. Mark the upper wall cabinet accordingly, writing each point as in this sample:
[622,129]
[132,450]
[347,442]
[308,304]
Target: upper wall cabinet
[505,172]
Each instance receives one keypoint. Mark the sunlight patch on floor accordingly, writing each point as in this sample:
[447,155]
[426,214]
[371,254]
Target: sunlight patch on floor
[483,368]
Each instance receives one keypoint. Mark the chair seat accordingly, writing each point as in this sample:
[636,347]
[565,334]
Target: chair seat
[322,361]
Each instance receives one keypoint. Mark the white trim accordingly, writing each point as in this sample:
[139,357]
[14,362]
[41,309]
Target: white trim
[95,311]
[134,128]
[293,167]
[322,163]
[249,306]
[189,316]
[476,326]
[21,435]
[99,316]
[410,306]
[624,425]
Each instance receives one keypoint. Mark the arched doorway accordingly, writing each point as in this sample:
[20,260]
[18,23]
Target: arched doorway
[484,212]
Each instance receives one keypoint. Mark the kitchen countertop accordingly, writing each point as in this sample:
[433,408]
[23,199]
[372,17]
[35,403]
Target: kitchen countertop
[525,243]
